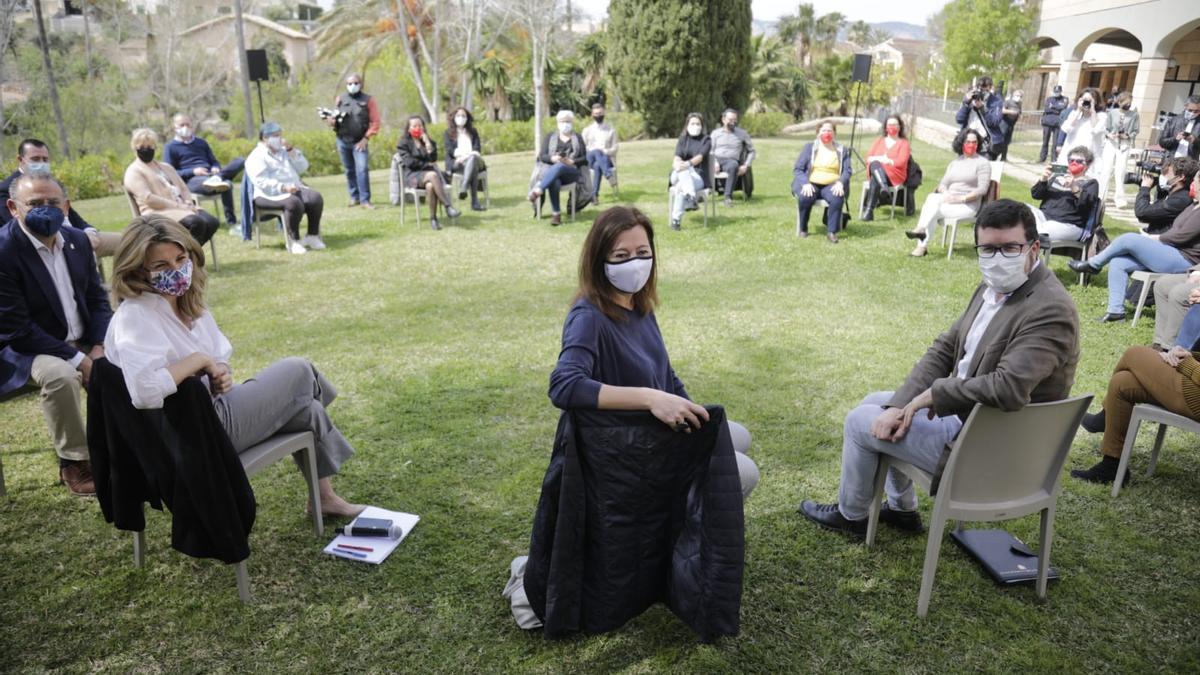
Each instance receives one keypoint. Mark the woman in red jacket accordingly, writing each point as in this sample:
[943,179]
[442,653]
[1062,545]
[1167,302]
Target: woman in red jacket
[887,162]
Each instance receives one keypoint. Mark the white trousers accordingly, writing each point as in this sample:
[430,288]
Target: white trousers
[935,210]
[1054,229]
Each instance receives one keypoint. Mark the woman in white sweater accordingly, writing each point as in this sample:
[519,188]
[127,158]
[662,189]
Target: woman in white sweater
[1087,125]
[959,194]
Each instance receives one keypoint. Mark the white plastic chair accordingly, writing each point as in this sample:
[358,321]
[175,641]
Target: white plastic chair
[1147,279]
[951,224]
[481,179]
[565,189]
[704,195]
[895,191]
[1144,412]
[1002,465]
[263,215]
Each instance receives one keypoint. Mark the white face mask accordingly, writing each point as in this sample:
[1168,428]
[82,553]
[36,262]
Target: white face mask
[629,276]
[461,120]
[565,127]
[1163,182]
[354,88]
[37,167]
[1189,115]
[275,142]
[695,129]
[184,132]
[1004,275]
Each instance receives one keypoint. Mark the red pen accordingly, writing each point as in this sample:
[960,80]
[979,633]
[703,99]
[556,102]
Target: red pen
[356,548]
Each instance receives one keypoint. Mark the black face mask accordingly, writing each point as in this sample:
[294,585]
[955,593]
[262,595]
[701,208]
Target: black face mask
[1125,107]
[599,119]
[145,154]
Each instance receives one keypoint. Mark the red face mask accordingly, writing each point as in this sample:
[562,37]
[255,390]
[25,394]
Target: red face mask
[1192,191]
[826,137]
[1076,168]
[893,130]
[415,133]
[969,148]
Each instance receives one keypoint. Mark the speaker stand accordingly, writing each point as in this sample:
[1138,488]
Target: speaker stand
[261,115]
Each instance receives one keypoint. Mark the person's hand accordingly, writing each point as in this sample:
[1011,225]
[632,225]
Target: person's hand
[85,367]
[939,189]
[1047,173]
[361,146]
[884,427]
[977,103]
[200,171]
[887,160]
[292,189]
[220,380]
[1179,136]
[1193,298]
[568,161]
[742,170]
[287,145]
[1148,181]
[951,199]
[923,401]
[837,189]
[674,410]
[330,121]
[807,190]
[96,352]
[1175,355]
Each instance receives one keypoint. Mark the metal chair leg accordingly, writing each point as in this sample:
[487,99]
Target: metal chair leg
[139,548]
[243,582]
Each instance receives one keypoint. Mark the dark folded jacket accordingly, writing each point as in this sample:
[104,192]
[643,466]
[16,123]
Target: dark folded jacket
[178,455]
[632,513]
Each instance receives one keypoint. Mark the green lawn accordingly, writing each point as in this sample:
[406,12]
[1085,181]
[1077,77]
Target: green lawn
[441,344]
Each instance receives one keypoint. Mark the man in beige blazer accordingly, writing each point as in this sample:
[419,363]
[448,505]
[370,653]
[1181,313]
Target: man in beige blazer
[1017,343]
[155,187]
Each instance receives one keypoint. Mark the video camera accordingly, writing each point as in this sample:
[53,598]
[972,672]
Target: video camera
[329,114]
[1151,164]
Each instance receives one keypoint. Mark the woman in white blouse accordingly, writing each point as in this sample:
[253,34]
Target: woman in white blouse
[1086,125]
[161,333]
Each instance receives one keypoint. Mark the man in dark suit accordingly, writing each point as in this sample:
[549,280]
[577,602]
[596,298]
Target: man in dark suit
[34,157]
[53,316]
[1016,343]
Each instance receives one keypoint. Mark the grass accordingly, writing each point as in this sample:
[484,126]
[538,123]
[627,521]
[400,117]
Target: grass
[441,344]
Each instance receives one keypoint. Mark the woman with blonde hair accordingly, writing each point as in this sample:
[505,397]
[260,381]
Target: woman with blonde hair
[161,333]
[155,187]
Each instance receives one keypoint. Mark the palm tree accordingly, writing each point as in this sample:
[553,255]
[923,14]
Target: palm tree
[591,57]
[776,81]
[826,32]
[799,29]
[861,33]
[490,78]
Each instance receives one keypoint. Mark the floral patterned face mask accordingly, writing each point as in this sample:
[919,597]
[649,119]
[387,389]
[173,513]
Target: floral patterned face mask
[173,282]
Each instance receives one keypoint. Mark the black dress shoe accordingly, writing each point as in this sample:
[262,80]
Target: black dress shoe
[1112,318]
[915,234]
[1093,423]
[828,517]
[1082,266]
[476,206]
[1104,471]
[832,238]
[906,521]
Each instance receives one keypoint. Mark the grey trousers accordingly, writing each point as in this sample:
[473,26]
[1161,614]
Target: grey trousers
[1170,306]
[747,469]
[921,447]
[286,396]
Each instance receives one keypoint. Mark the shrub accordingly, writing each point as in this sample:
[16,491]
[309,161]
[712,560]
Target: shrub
[90,176]
[766,124]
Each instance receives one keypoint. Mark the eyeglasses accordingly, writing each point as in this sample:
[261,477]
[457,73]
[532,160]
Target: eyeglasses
[1011,250]
[34,203]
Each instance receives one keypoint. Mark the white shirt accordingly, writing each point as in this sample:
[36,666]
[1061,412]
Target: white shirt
[55,261]
[145,337]
[992,302]
[271,172]
[464,147]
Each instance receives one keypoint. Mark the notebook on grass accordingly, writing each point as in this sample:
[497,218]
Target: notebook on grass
[372,549]
[1007,559]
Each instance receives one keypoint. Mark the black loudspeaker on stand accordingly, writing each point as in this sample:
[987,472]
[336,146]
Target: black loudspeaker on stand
[861,73]
[257,70]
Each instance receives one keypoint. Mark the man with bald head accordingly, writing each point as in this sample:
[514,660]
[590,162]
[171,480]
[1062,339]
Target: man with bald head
[194,161]
[53,316]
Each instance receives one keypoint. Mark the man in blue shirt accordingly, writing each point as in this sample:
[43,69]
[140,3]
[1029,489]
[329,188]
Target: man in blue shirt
[195,163]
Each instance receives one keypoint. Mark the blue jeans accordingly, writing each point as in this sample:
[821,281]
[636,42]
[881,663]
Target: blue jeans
[553,179]
[229,172]
[358,177]
[1189,332]
[1129,253]
[601,164]
[833,214]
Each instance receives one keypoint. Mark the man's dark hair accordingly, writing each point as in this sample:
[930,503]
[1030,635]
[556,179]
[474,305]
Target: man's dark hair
[1184,166]
[729,110]
[28,143]
[1005,213]
[984,81]
[961,138]
[1194,98]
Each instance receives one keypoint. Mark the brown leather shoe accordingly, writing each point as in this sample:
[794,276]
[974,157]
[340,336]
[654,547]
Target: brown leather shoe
[556,220]
[78,479]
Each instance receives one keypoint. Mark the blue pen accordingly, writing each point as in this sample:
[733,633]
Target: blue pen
[351,553]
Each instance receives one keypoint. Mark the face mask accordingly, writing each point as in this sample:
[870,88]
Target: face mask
[145,154]
[460,120]
[1004,275]
[826,137]
[1189,115]
[45,220]
[695,129]
[415,133]
[969,148]
[184,132]
[37,167]
[565,127]
[353,88]
[173,282]
[630,275]
[275,142]
[1076,168]
[1164,183]
[731,125]
[599,119]
[893,131]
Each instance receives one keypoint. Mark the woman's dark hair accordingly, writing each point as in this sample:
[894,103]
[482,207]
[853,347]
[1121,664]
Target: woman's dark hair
[687,120]
[1082,151]
[961,138]
[899,120]
[831,123]
[408,123]
[1005,213]
[1097,99]
[593,282]
[452,128]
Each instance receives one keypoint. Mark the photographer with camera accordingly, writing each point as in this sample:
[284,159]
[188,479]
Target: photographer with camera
[1086,126]
[1177,174]
[1122,129]
[1179,133]
[356,120]
[1052,117]
[982,110]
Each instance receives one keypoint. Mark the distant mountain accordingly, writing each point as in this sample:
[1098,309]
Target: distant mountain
[897,29]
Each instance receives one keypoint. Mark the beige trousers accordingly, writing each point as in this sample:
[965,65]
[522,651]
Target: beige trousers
[1170,306]
[108,244]
[60,390]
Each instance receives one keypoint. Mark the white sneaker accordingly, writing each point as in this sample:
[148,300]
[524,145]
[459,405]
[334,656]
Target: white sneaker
[217,184]
[235,231]
[297,248]
[314,242]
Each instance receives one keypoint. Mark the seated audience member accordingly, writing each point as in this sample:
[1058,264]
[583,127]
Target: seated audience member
[1067,199]
[34,157]
[601,140]
[822,171]
[195,163]
[733,150]
[156,188]
[1171,252]
[1173,198]
[959,194]
[162,333]
[887,163]
[273,169]
[613,356]
[563,152]
[689,167]
[1086,125]
[53,314]
[1178,135]
[463,154]
[1016,343]
[1169,380]
[1174,296]
[418,154]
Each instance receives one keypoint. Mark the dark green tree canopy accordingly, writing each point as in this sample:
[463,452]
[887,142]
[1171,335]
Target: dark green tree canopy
[672,57]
